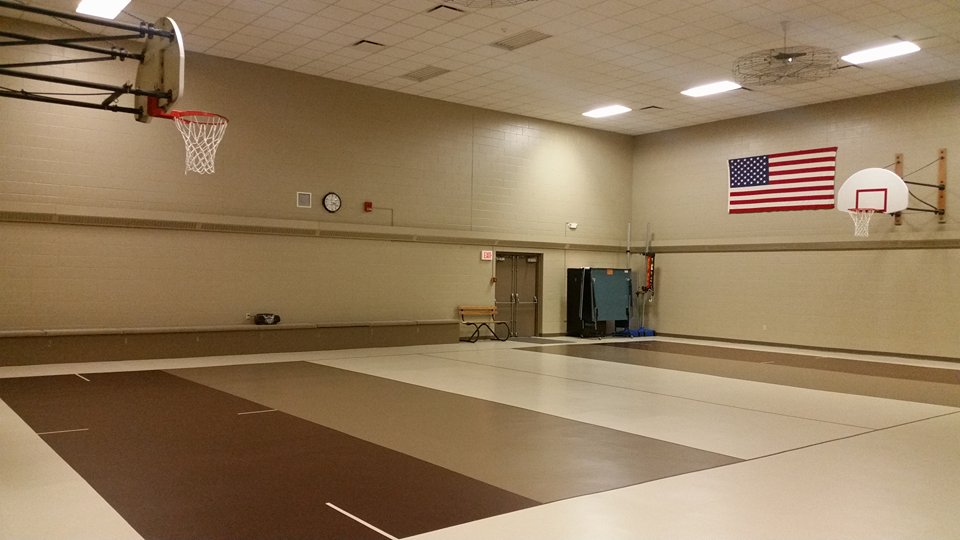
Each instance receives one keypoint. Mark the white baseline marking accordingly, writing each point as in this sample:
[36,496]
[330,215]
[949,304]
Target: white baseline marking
[257,412]
[82,377]
[362,522]
[63,431]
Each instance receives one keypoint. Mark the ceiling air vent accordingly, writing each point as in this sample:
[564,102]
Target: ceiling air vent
[522,39]
[425,73]
[366,45]
[447,13]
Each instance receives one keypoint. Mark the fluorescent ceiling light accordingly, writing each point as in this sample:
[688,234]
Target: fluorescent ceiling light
[609,110]
[879,53]
[107,9]
[712,88]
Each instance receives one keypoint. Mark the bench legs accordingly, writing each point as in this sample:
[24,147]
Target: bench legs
[494,335]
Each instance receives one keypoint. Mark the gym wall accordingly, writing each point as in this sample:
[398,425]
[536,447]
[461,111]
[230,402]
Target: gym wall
[101,228]
[801,277]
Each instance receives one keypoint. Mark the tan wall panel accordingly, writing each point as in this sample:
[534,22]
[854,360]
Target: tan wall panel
[899,302]
[423,163]
[58,276]
[680,176]
[888,300]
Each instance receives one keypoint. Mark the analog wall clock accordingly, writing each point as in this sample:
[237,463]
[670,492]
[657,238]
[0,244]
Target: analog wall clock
[331,202]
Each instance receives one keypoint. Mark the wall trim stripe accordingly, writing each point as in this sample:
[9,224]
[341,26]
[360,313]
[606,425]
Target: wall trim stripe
[433,236]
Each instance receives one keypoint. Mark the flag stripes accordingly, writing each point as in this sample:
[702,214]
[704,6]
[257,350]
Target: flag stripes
[801,180]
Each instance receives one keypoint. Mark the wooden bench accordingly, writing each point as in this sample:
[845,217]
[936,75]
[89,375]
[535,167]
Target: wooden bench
[483,317]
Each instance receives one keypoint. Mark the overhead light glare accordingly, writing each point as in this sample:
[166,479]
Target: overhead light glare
[107,9]
[712,88]
[609,110]
[899,48]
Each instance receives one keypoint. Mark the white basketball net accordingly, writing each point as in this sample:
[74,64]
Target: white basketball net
[861,221]
[202,132]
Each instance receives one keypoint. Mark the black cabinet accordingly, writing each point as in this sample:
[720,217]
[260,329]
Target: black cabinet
[596,297]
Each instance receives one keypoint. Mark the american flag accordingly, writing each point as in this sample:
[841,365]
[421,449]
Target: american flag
[801,180]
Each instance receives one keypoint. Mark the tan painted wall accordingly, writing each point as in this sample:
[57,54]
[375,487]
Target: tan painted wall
[479,179]
[890,300]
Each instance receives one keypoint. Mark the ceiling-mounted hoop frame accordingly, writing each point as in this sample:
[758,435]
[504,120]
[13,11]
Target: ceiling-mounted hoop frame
[161,70]
[140,31]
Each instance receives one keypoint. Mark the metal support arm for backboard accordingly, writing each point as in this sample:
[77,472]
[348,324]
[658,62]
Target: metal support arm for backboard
[113,53]
[941,207]
[159,82]
[142,30]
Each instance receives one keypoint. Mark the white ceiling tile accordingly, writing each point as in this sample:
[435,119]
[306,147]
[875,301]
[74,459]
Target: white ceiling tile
[305,6]
[237,15]
[270,23]
[200,44]
[211,33]
[636,51]
[373,22]
[340,13]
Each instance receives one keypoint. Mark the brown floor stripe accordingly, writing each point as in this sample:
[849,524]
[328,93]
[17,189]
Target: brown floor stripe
[539,456]
[826,363]
[176,461]
[878,379]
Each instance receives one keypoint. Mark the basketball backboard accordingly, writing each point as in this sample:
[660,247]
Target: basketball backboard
[161,69]
[875,189]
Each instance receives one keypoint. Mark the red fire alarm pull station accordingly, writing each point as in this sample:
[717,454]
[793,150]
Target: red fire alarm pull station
[368,206]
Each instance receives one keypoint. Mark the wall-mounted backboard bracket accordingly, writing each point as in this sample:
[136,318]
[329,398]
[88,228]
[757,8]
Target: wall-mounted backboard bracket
[940,209]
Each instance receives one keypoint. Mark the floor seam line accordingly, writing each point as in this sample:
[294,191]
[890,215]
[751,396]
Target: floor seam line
[885,428]
[660,393]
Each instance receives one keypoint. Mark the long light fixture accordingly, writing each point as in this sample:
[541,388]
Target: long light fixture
[712,88]
[899,48]
[609,110]
[107,9]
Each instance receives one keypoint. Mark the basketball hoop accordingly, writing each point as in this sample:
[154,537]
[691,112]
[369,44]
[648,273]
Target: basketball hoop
[868,192]
[202,133]
[861,220]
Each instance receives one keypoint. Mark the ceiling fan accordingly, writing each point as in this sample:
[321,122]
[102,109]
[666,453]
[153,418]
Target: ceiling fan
[787,65]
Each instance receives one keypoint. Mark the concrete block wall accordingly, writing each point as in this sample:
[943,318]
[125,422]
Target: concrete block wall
[473,179]
[449,181]
[801,277]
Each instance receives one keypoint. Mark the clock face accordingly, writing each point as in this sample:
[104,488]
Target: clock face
[331,202]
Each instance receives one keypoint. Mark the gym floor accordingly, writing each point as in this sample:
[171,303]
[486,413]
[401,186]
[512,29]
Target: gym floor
[546,439]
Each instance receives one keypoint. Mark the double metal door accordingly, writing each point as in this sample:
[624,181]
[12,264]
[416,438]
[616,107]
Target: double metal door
[517,290]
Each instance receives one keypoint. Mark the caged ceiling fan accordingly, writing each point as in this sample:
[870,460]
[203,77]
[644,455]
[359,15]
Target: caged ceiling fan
[787,65]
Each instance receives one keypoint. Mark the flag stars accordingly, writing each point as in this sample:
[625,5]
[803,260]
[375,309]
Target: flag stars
[749,171]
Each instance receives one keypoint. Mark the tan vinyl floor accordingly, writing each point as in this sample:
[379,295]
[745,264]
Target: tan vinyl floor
[651,439]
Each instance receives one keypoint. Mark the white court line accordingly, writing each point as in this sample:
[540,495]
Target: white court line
[82,377]
[362,522]
[257,412]
[63,431]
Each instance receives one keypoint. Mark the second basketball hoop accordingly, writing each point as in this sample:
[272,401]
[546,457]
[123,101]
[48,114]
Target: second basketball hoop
[868,192]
